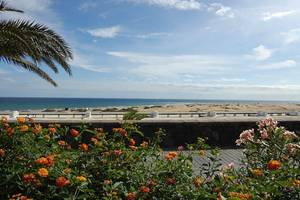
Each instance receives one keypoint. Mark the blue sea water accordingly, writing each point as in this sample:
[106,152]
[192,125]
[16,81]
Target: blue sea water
[20,103]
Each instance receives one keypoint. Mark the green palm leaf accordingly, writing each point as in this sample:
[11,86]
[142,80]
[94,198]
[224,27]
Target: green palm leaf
[29,45]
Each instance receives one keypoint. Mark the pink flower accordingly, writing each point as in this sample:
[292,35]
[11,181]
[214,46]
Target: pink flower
[292,148]
[264,134]
[289,135]
[228,166]
[180,148]
[245,136]
[267,123]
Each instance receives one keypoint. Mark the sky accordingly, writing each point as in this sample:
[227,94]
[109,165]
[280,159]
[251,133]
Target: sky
[184,49]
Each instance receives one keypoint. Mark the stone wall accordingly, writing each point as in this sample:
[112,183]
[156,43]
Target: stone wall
[221,134]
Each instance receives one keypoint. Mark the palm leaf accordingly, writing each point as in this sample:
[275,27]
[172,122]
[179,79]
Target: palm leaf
[24,39]
[4,7]
[30,67]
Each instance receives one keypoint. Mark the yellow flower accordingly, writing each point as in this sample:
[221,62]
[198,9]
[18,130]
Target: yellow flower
[43,172]
[202,153]
[257,172]
[80,178]
[23,128]
[37,128]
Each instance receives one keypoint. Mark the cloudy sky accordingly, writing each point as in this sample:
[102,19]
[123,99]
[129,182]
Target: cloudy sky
[191,49]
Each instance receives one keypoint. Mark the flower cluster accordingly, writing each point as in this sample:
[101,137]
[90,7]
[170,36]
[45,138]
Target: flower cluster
[83,163]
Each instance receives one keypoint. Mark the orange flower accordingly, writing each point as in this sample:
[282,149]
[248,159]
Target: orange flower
[61,143]
[144,189]
[61,181]
[52,130]
[84,147]
[21,120]
[2,152]
[198,181]
[74,132]
[239,195]
[42,161]
[48,161]
[10,131]
[171,155]
[171,181]
[37,129]
[121,131]
[274,164]
[257,172]
[23,128]
[296,182]
[131,142]
[107,182]
[131,196]
[80,178]
[43,172]
[27,178]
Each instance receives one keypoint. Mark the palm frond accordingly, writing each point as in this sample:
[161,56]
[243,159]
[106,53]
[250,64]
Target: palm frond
[30,67]
[25,39]
[4,7]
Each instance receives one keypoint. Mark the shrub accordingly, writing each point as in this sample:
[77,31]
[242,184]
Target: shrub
[82,163]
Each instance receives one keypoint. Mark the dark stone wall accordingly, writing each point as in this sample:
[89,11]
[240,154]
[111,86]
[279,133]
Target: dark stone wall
[221,134]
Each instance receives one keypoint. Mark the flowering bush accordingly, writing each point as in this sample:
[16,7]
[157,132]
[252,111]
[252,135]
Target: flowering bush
[81,163]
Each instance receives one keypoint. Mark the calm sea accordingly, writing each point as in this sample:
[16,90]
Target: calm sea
[12,103]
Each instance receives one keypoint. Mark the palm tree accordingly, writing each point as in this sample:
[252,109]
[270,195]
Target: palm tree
[28,45]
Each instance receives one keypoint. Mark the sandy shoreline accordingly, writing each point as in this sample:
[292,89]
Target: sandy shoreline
[258,107]
[226,107]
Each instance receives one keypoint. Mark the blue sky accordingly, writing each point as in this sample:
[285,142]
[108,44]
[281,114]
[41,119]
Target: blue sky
[199,49]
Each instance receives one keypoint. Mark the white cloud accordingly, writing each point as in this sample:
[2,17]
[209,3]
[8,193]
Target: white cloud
[86,63]
[108,32]
[220,10]
[153,35]
[172,67]
[279,65]
[177,4]
[271,15]
[292,36]
[262,53]
[233,79]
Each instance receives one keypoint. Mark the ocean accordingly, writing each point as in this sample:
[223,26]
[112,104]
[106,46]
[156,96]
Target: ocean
[27,103]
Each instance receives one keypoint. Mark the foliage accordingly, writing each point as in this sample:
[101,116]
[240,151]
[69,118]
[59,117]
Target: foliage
[82,163]
[29,45]
[134,115]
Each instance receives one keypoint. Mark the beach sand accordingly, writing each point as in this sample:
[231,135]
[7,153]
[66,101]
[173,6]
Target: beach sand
[258,107]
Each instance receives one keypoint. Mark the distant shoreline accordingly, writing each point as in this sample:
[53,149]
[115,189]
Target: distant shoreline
[183,107]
